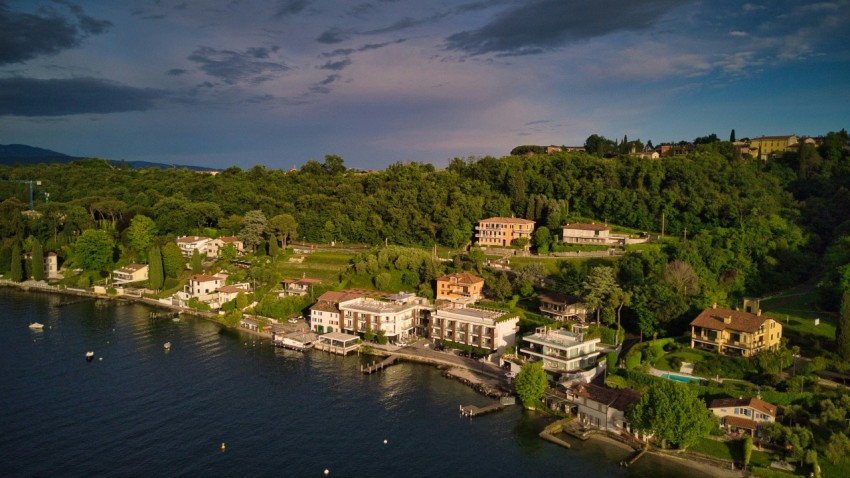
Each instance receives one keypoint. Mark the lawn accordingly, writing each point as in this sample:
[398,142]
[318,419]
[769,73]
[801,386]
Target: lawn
[325,265]
[732,450]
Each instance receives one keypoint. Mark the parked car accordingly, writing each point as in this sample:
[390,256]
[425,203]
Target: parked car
[293,320]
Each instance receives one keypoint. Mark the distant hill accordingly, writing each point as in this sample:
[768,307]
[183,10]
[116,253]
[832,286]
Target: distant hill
[21,154]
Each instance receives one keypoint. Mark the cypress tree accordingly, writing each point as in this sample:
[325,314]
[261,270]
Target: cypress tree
[16,273]
[273,247]
[196,263]
[732,136]
[37,260]
[156,272]
[842,332]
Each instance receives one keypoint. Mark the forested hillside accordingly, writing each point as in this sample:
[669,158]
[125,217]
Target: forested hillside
[750,226]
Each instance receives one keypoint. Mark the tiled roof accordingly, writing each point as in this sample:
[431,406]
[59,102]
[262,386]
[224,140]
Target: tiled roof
[191,239]
[461,278]
[204,278]
[741,321]
[553,298]
[229,239]
[616,398]
[231,288]
[508,220]
[754,403]
[584,226]
[130,268]
[740,422]
[326,306]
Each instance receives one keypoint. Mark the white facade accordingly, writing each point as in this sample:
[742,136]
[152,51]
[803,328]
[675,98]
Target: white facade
[189,244]
[395,316]
[488,329]
[561,350]
[204,287]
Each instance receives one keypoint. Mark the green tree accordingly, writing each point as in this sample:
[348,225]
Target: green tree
[93,250]
[172,260]
[842,331]
[141,233]
[285,227]
[542,239]
[748,440]
[673,413]
[838,448]
[531,383]
[502,288]
[37,259]
[598,288]
[16,273]
[253,227]
[196,262]
[156,273]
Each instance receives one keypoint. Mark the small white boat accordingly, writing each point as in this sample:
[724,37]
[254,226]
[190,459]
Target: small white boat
[89,356]
[167,346]
[36,326]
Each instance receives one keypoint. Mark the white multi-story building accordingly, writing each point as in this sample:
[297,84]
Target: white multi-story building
[190,244]
[396,316]
[561,350]
[477,327]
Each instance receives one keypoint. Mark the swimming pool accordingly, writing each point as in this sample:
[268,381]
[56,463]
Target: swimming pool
[680,378]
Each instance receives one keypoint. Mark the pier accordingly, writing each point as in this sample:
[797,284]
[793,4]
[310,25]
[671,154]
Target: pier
[377,367]
[474,411]
[164,315]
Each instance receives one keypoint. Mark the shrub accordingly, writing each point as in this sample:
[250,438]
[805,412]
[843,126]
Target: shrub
[632,359]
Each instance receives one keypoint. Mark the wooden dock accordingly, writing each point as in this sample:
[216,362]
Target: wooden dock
[634,457]
[474,411]
[377,367]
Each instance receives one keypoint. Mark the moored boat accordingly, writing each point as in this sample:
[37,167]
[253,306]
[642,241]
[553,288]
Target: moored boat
[36,326]
[167,346]
[89,356]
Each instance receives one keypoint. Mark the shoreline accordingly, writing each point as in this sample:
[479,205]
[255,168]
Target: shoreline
[475,379]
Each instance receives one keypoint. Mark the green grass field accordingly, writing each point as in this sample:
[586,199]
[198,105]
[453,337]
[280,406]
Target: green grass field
[325,265]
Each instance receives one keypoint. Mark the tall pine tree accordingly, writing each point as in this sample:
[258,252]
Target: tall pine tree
[16,273]
[196,262]
[842,332]
[37,260]
[156,271]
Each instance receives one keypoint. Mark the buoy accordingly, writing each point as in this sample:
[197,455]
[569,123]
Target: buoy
[223,446]
[385,441]
[100,358]
[327,471]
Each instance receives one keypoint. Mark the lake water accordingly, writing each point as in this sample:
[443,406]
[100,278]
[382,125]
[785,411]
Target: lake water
[138,410]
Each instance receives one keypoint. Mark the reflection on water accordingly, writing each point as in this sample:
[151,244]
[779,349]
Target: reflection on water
[143,411]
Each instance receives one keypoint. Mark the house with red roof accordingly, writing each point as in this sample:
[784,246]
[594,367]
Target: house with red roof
[735,332]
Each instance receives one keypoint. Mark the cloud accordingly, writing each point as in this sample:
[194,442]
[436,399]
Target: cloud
[335,65]
[333,35]
[34,97]
[24,36]
[737,33]
[366,47]
[545,25]
[234,66]
[287,8]
[177,71]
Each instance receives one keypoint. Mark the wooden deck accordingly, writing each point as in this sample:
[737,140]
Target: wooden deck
[474,411]
[377,367]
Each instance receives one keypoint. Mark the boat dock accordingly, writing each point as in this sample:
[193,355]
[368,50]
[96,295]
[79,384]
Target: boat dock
[474,411]
[377,367]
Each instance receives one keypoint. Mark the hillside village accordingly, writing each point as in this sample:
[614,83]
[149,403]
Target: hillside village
[626,323]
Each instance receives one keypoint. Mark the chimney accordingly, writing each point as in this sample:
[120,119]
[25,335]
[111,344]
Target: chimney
[727,319]
[714,305]
[758,312]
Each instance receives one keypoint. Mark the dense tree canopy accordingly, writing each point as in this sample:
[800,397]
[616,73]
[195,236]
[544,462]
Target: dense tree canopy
[673,413]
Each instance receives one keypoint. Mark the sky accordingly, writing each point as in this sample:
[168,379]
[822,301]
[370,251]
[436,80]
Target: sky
[222,83]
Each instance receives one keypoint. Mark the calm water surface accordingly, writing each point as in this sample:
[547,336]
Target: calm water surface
[137,410]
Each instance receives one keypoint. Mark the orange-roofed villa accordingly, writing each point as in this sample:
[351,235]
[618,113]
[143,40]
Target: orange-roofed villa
[735,332]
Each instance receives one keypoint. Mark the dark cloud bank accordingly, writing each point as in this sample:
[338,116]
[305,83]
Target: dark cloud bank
[34,97]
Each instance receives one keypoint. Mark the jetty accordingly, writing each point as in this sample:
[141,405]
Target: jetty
[377,367]
[634,457]
[474,411]
[164,315]
[72,302]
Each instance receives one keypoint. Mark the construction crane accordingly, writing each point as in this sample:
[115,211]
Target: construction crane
[29,182]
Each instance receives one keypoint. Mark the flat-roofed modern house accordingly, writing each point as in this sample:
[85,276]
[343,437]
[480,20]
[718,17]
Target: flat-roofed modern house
[562,307]
[735,332]
[460,287]
[501,231]
[561,350]
[492,330]
[743,414]
[586,233]
[130,273]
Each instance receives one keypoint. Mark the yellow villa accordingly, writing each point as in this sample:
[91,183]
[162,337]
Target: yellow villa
[735,332]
